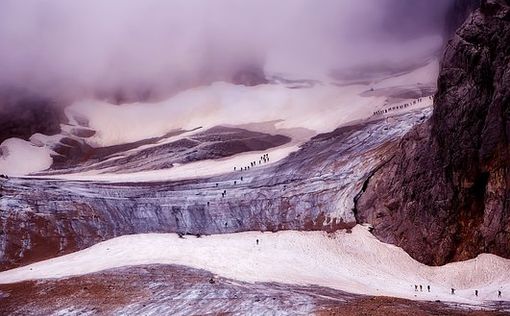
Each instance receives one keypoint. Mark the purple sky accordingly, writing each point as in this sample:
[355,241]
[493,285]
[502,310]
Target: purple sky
[77,47]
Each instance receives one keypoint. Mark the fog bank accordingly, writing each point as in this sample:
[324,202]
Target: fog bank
[98,47]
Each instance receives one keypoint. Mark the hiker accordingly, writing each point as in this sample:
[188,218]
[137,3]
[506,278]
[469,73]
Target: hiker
[235,182]
[257,241]
[428,288]
[421,288]
[499,293]
[416,288]
[476,292]
[453,291]
[234,168]
[241,178]
[208,203]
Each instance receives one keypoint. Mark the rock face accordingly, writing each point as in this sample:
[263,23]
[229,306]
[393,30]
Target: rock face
[23,114]
[457,14]
[443,196]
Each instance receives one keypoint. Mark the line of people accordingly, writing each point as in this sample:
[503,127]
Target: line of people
[401,106]
[476,292]
[420,287]
[263,159]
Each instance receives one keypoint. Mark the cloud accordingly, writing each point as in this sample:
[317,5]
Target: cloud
[89,47]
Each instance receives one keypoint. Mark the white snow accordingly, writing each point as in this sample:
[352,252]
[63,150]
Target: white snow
[19,157]
[422,75]
[198,169]
[320,108]
[354,262]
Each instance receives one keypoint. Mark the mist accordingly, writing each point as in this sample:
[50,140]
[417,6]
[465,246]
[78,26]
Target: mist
[75,49]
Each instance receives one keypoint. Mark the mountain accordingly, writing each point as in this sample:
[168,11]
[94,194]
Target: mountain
[443,195]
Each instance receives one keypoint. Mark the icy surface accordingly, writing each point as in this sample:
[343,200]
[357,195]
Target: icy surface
[19,157]
[315,106]
[197,169]
[355,262]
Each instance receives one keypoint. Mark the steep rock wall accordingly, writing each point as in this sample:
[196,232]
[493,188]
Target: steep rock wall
[444,195]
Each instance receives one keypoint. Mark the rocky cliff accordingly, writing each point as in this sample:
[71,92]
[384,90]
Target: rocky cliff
[23,114]
[444,195]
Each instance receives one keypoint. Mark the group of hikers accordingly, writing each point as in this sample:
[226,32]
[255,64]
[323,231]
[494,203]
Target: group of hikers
[416,287]
[421,288]
[401,106]
[263,159]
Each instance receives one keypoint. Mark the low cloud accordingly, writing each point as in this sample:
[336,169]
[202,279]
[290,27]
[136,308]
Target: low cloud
[63,48]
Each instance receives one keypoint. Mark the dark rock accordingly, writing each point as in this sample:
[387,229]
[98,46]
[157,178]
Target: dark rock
[443,195]
[23,114]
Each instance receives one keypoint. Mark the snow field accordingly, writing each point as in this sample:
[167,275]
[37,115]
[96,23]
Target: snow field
[354,262]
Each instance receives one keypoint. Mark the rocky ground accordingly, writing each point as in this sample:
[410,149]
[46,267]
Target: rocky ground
[176,290]
[218,142]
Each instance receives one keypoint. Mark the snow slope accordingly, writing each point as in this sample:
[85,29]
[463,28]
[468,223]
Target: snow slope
[354,262]
[198,169]
[320,107]
[19,157]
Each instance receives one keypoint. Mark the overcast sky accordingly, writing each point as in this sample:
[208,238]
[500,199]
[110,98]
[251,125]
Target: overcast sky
[77,47]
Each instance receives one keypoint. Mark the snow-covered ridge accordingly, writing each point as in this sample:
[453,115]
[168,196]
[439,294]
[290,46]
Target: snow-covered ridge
[319,108]
[355,262]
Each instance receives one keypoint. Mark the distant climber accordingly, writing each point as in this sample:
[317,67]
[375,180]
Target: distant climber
[241,178]
[476,292]
[499,293]
[257,241]
[421,288]
[235,182]
[211,280]
[234,168]
[453,291]
[208,203]
[416,288]
[428,288]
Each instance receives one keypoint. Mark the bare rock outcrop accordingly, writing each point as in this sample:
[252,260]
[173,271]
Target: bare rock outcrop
[444,195]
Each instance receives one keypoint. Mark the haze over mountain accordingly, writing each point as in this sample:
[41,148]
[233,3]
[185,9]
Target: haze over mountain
[254,157]
[145,48]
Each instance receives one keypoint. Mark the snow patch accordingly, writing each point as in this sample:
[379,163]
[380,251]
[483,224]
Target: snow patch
[354,262]
[20,157]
